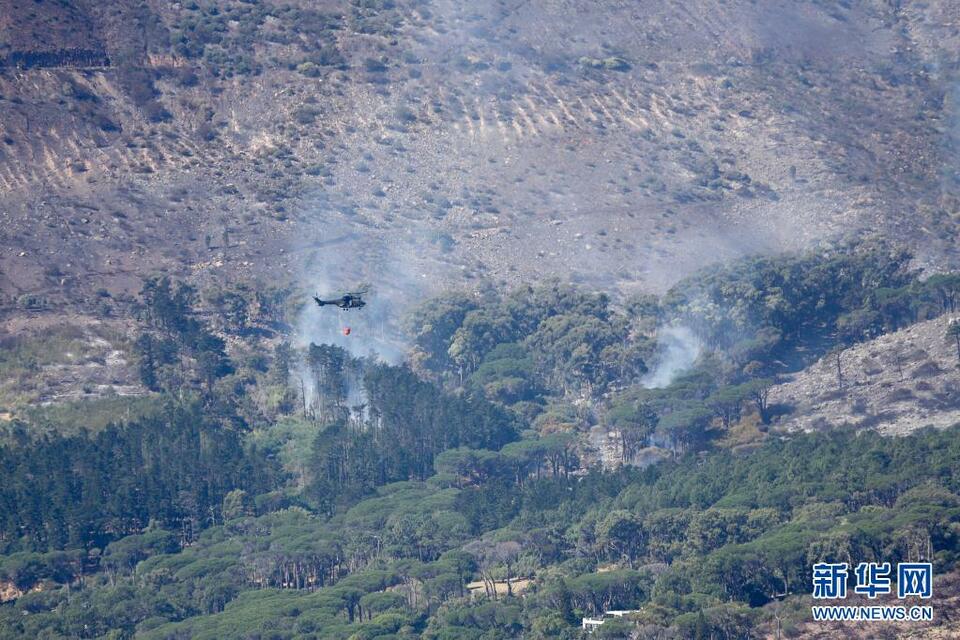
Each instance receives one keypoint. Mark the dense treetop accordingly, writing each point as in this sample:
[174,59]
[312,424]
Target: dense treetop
[283,492]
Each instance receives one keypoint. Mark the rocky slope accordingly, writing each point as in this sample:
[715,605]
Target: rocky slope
[432,141]
[897,383]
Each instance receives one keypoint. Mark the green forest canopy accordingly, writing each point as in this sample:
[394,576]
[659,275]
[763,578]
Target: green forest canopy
[234,507]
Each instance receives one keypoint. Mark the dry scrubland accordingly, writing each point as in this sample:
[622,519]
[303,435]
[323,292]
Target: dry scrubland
[897,383]
[428,143]
[231,141]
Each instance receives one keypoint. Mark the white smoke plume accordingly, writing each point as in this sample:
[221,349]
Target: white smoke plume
[344,264]
[679,348]
[394,273]
[374,329]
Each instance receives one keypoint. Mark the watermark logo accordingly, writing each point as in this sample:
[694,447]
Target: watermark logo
[872,614]
[914,580]
[830,580]
[873,579]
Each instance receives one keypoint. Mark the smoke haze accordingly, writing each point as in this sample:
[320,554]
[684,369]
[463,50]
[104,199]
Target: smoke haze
[679,348]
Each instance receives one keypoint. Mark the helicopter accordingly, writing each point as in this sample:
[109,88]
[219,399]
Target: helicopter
[352,300]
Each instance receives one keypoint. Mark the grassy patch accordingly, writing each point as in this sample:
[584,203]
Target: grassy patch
[30,362]
[93,415]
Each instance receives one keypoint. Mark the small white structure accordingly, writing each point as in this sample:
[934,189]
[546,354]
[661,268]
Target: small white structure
[590,624]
